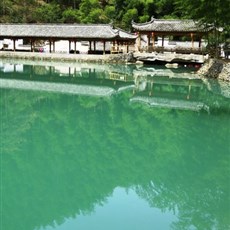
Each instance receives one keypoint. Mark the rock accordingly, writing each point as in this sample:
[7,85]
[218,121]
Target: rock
[139,62]
[171,65]
[225,73]
[122,58]
[215,68]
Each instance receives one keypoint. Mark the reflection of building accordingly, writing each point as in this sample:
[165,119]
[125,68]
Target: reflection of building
[11,67]
[163,92]
[87,90]
[80,79]
[155,86]
[171,104]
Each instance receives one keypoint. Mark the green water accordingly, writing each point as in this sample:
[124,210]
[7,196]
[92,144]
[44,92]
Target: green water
[128,148]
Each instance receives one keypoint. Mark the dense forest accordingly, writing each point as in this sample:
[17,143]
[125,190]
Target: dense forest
[118,12]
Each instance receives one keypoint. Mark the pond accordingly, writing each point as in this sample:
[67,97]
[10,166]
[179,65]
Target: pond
[86,146]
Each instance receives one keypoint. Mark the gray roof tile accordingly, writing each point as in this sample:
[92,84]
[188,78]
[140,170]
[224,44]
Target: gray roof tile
[163,25]
[64,31]
[67,31]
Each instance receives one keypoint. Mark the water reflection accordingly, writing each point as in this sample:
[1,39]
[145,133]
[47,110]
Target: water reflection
[123,210]
[64,155]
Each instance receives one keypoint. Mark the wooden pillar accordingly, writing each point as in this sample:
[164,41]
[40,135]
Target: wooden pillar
[104,47]
[148,43]
[113,47]
[139,42]
[69,46]
[54,46]
[94,45]
[14,45]
[163,38]
[153,39]
[32,45]
[192,39]
[118,46]
[90,45]
[50,44]
[200,41]
[75,46]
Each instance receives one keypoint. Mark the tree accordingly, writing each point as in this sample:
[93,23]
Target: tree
[5,10]
[70,16]
[130,15]
[213,14]
[49,13]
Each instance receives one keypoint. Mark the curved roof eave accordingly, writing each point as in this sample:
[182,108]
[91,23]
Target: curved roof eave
[171,25]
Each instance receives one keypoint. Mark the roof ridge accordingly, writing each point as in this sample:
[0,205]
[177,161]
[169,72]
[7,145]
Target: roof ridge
[57,24]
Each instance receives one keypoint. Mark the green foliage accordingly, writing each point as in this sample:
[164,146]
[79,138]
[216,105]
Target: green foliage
[207,11]
[128,17]
[5,10]
[76,11]
[48,13]
[70,16]
[120,12]
[214,14]
[110,12]
[91,12]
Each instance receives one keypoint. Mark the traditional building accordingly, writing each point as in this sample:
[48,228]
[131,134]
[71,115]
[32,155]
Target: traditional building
[91,33]
[158,29]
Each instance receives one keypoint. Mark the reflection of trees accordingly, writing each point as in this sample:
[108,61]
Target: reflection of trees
[193,181]
[76,150]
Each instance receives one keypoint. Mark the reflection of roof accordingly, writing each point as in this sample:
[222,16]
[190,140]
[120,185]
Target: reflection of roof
[64,31]
[163,25]
[169,103]
[87,90]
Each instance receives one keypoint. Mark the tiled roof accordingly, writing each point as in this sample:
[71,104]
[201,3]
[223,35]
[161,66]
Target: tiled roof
[66,31]
[163,25]
[125,35]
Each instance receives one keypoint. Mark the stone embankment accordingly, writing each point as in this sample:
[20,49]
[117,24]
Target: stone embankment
[64,57]
[215,68]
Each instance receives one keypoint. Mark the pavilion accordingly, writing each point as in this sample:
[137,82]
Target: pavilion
[162,28]
[91,33]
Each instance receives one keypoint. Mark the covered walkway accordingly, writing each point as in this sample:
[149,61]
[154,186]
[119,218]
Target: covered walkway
[152,36]
[91,33]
